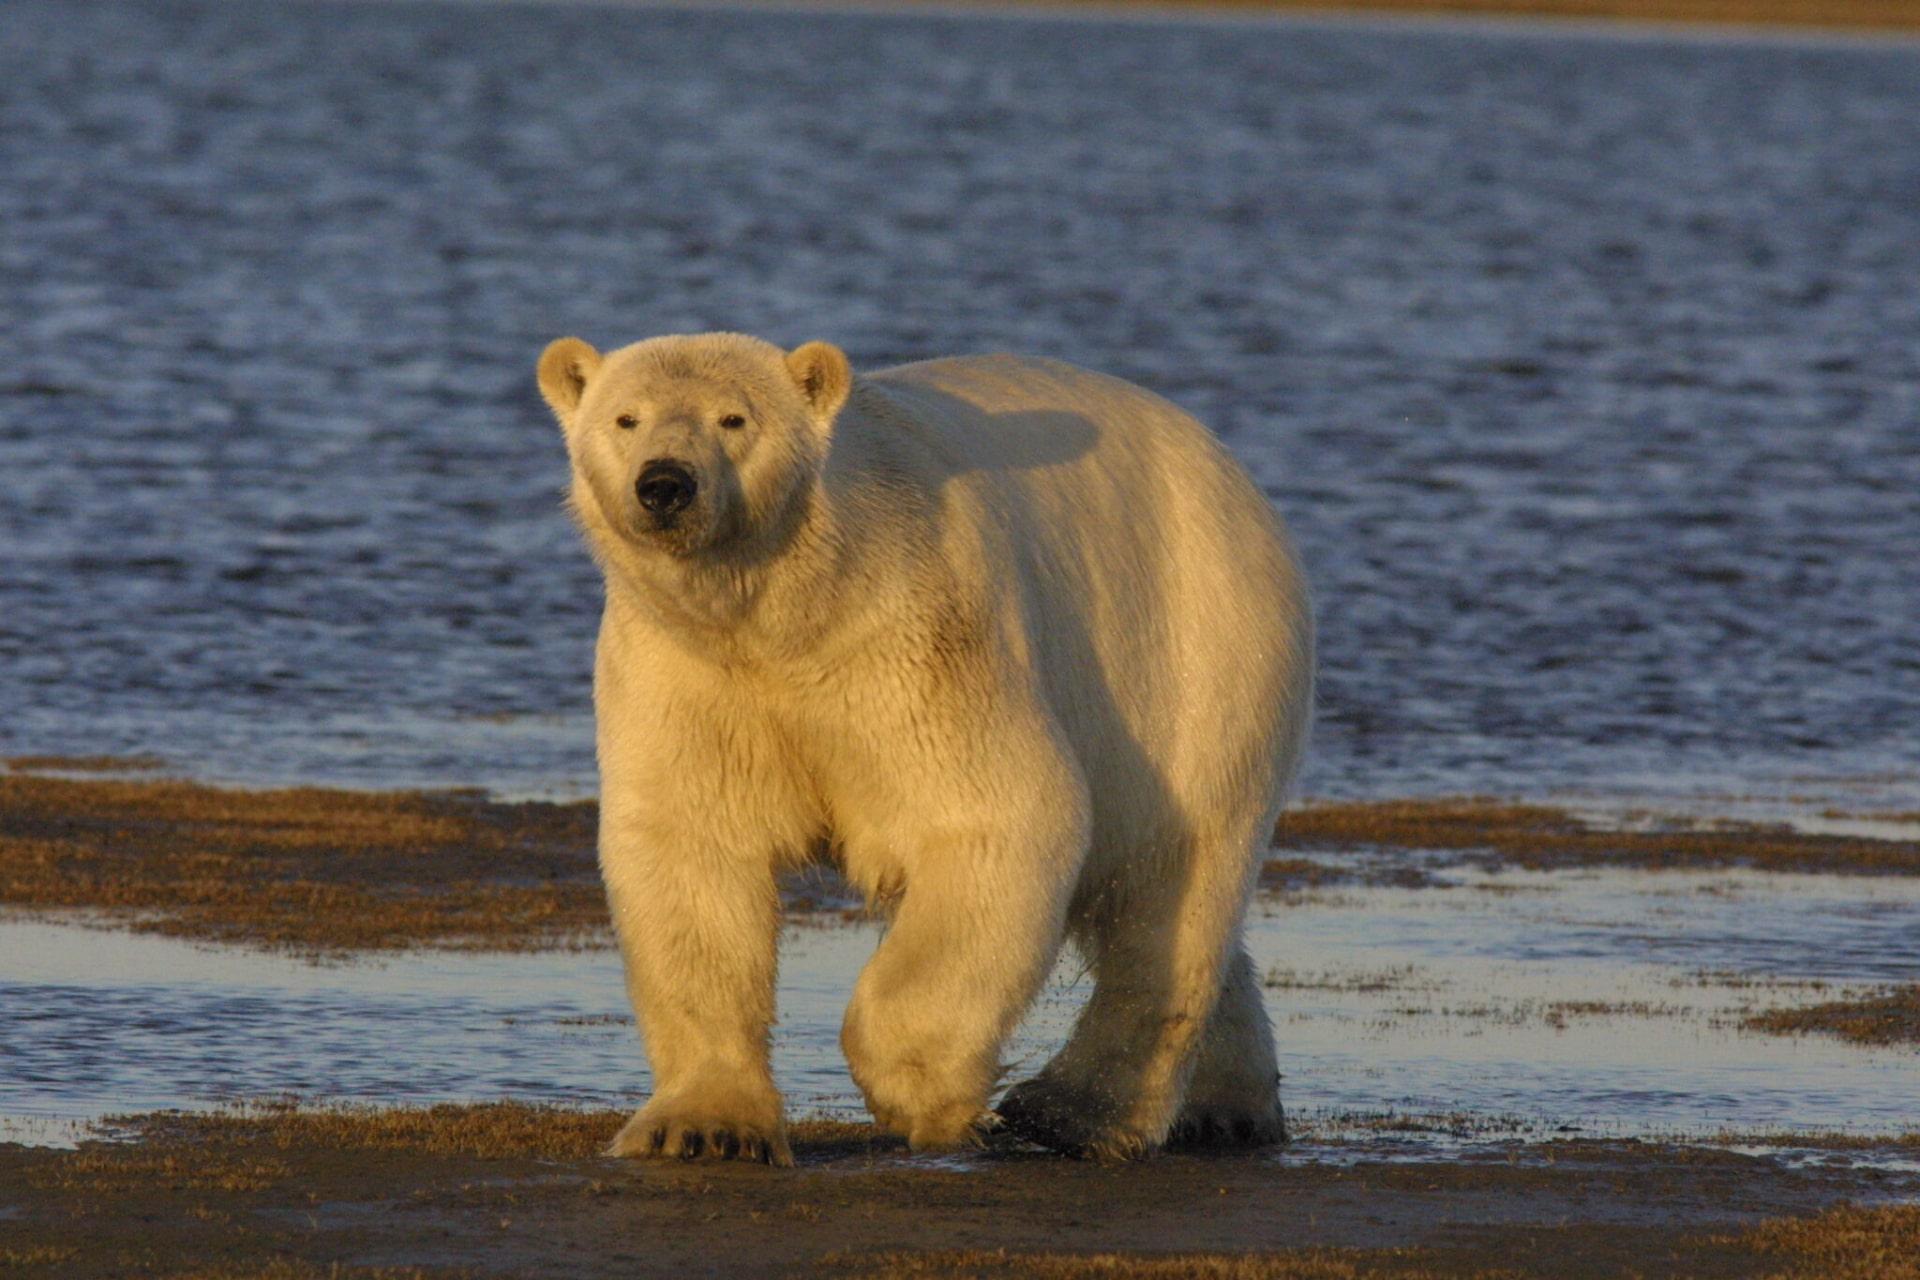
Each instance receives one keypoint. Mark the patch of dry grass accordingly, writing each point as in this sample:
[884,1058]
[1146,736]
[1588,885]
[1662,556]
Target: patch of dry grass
[484,1130]
[1558,1014]
[291,1269]
[1847,1243]
[84,764]
[1543,837]
[1881,14]
[1404,977]
[304,869]
[1305,1264]
[38,1255]
[1896,816]
[487,1131]
[1820,1141]
[102,1170]
[1892,1017]
[319,871]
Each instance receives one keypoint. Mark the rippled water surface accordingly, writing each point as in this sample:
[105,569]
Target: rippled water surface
[1520,1004]
[1586,369]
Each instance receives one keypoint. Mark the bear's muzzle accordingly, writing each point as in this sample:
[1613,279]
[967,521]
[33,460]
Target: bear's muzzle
[665,489]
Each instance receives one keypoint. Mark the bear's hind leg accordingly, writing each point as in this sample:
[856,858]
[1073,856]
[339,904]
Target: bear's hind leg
[1160,952]
[1233,1098]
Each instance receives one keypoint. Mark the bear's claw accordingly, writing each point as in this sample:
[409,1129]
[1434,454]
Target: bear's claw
[648,1138]
[1219,1126]
[1068,1120]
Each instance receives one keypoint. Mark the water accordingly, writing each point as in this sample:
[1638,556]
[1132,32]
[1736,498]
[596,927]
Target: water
[1587,369]
[1475,1008]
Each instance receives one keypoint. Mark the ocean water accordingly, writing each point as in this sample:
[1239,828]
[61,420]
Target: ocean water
[1586,369]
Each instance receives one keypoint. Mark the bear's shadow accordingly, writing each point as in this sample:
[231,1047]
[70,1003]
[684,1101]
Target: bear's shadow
[1021,440]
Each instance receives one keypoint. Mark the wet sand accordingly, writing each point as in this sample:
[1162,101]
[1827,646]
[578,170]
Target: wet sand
[511,1190]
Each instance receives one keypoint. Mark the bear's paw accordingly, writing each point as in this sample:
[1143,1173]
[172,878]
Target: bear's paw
[1213,1126]
[1075,1121]
[684,1129]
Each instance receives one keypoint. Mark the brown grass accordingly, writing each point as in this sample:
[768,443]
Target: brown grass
[293,1269]
[1896,816]
[321,871]
[1892,1017]
[84,764]
[1845,1243]
[1304,1264]
[1404,977]
[1544,837]
[112,1169]
[484,1131]
[304,869]
[39,1255]
[1891,15]
[1820,1141]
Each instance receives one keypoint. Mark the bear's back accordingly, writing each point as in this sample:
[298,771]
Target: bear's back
[1155,578]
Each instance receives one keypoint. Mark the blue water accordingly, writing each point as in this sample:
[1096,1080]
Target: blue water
[1586,369]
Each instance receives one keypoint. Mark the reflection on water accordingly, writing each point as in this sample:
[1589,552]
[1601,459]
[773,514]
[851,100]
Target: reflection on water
[1586,368]
[1533,1004]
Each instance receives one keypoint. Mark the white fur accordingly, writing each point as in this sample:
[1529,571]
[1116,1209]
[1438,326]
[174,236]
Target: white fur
[1019,647]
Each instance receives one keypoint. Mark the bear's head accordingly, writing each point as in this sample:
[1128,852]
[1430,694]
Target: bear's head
[700,446]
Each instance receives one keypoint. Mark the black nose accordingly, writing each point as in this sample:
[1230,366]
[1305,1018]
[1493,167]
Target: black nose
[665,488]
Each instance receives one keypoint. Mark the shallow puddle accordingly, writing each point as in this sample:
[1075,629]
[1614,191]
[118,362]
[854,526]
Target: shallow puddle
[1518,1004]
[1598,1002]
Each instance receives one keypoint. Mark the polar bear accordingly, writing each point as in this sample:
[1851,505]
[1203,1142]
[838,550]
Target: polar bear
[1017,647]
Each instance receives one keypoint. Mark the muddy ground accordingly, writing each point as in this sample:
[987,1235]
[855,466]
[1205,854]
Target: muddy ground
[510,1190]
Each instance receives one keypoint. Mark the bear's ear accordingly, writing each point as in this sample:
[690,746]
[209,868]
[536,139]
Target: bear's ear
[565,366]
[823,375]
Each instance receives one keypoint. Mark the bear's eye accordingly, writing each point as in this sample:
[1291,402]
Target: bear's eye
[732,421]
[626,422]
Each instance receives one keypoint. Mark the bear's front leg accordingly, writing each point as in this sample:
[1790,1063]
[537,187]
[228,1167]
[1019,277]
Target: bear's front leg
[699,928]
[974,935]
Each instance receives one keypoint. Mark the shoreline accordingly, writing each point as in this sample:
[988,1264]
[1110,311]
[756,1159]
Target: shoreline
[512,1189]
